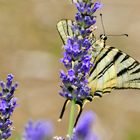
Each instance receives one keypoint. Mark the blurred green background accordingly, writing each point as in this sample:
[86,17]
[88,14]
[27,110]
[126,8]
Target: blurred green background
[30,48]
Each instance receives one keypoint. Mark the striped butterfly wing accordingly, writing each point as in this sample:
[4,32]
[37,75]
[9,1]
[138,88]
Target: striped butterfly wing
[64,28]
[113,69]
[74,1]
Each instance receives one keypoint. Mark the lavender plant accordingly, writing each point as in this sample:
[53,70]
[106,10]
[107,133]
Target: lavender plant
[43,130]
[39,130]
[78,56]
[8,104]
[78,62]
[84,131]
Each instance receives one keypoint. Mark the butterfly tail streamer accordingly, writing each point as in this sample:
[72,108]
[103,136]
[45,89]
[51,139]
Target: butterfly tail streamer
[63,109]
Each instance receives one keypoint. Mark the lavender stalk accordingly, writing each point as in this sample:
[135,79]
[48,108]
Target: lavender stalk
[78,56]
[8,104]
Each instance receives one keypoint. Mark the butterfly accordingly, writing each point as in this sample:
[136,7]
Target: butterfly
[113,69]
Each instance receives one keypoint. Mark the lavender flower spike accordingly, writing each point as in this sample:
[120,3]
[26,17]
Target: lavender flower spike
[78,54]
[7,105]
[39,130]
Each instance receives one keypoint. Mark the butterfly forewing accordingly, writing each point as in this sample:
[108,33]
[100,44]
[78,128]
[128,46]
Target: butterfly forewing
[104,71]
[64,28]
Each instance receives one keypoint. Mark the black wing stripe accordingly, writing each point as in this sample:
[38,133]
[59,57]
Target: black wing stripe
[137,79]
[64,28]
[98,53]
[60,35]
[127,88]
[136,71]
[134,65]
[67,28]
[98,93]
[107,91]
[111,79]
[125,58]
[123,71]
[106,88]
[104,55]
[70,24]
[116,57]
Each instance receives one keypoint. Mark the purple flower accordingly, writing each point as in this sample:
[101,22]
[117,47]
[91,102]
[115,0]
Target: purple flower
[66,60]
[84,130]
[81,7]
[88,7]
[86,11]
[86,65]
[97,6]
[71,75]
[63,76]
[86,43]
[72,48]
[89,20]
[39,130]
[8,104]
[79,17]
[43,130]
[78,53]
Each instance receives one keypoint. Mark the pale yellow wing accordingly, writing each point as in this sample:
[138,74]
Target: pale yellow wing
[113,69]
[64,28]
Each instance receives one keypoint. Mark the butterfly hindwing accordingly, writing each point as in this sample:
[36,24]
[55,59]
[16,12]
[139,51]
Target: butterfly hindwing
[103,70]
[117,70]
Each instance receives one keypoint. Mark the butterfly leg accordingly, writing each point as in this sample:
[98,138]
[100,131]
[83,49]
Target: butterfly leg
[63,109]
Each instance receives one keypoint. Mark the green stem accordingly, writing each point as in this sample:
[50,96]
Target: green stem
[71,119]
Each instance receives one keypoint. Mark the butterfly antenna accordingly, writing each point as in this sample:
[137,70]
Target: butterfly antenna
[126,35]
[102,23]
